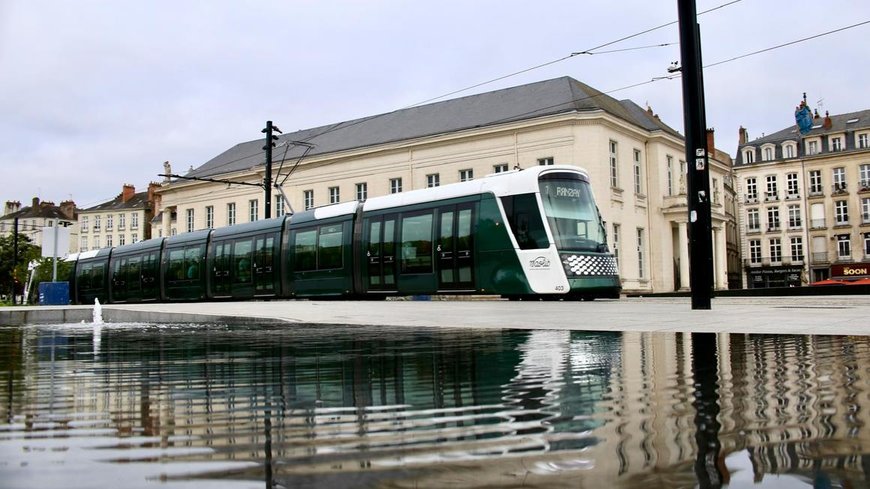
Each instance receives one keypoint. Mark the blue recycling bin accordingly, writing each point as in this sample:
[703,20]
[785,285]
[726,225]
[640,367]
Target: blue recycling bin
[53,293]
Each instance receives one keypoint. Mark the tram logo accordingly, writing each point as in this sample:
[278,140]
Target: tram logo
[541,262]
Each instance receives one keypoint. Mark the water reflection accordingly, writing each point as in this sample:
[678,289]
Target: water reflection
[369,407]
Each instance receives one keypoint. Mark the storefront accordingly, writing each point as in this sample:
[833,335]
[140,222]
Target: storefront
[767,277]
[850,271]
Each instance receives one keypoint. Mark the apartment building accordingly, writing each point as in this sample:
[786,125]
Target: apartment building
[32,220]
[125,219]
[634,159]
[805,202]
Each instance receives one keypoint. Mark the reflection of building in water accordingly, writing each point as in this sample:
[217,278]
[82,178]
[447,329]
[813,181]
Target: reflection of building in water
[545,408]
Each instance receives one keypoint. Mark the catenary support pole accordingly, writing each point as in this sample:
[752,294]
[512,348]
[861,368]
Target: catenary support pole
[698,194]
[14,255]
[267,178]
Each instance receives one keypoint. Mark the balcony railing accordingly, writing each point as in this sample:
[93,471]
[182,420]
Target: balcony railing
[794,196]
[816,192]
[817,224]
[85,228]
[773,227]
[752,199]
[864,185]
[819,256]
[766,261]
[771,196]
[865,218]
[838,188]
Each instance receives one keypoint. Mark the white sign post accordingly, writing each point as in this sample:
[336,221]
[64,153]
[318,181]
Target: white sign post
[55,238]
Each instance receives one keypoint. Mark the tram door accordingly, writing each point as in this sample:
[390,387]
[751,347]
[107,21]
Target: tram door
[221,279]
[455,255]
[150,271]
[264,276]
[381,253]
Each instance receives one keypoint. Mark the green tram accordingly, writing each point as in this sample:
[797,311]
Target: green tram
[534,233]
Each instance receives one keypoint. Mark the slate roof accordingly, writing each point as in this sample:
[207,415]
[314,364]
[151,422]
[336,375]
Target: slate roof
[37,212]
[519,103]
[839,124]
[138,201]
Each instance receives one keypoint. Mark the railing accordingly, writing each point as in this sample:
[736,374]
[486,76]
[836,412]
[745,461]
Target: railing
[85,228]
[843,258]
[752,199]
[771,196]
[773,227]
[816,192]
[819,256]
[838,188]
[773,260]
[865,218]
[794,224]
[817,224]
[792,196]
[864,185]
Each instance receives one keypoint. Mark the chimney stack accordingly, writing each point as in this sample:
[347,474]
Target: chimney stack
[128,192]
[742,136]
[828,123]
[68,209]
[151,188]
[35,202]
[12,206]
[711,142]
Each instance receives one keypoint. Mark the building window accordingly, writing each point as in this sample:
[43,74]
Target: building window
[122,240]
[209,217]
[84,225]
[433,180]
[751,190]
[616,241]
[753,223]
[863,142]
[768,154]
[812,147]
[865,210]
[841,212]
[614,165]
[362,191]
[755,251]
[837,144]
[839,175]
[466,175]
[864,177]
[788,149]
[231,214]
[684,170]
[816,182]
[134,221]
[714,188]
[500,168]
[109,222]
[122,221]
[84,244]
[308,199]
[797,249]
[253,210]
[794,216]
[279,206]
[189,220]
[637,175]
[334,195]
[134,238]
[109,241]
[640,254]
[866,246]
[749,156]
[395,185]
[670,175]
[775,247]
[791,185]
[549,161]
[773,218]
[771,193]
[844,247]
[97,223]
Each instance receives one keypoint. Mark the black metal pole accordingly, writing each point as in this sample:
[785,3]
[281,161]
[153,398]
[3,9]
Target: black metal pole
[705,373]
[698,195]
[267,179]
[14,255]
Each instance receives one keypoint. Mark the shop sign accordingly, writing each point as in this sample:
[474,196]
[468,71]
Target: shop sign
[851,270]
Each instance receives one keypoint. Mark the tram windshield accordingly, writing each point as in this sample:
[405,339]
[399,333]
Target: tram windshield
[571,213]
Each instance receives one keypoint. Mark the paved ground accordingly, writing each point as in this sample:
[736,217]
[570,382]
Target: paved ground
[793,315]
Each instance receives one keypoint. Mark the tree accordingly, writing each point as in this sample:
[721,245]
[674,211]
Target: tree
[44,271]
[26,253]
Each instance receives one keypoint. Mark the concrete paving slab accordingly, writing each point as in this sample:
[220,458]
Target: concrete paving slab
[842,315]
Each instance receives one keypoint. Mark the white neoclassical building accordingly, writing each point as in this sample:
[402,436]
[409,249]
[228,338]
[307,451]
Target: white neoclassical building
[634,159]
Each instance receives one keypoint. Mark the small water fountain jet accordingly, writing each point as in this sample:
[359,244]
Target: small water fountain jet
[98,312]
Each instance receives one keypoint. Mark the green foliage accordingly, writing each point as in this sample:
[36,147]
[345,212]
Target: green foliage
[26,253]
[44,271]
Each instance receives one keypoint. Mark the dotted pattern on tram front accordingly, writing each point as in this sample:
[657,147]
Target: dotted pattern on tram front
[589,265]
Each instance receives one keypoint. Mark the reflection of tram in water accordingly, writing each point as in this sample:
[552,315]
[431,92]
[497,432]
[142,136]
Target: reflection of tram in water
[535,232]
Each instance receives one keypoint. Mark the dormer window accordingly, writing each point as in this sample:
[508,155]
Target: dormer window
[863,141]
[837,143]
[812,148]
[767,153]
[788,150]
[749,155]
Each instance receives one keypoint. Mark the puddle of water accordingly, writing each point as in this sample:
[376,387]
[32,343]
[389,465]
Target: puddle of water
[296,406]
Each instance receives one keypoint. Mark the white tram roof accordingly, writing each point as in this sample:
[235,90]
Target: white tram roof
[505,183]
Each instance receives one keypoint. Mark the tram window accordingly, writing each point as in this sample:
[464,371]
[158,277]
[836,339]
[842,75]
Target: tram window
[133,274]
[374,237]
[84,277]
[305,250]
[242,254]
[176,264]
[97,276]
[329,247]
[417,244]
[191,262]
[525,221]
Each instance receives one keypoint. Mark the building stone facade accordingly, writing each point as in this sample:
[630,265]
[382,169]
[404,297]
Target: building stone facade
[805,202]
[635,162]
[39,215]
[125,219]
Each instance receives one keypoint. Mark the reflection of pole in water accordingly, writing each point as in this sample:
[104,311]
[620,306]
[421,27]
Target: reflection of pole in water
[706,376]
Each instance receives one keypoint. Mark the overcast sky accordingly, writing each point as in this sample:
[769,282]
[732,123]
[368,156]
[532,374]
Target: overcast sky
[95,94]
